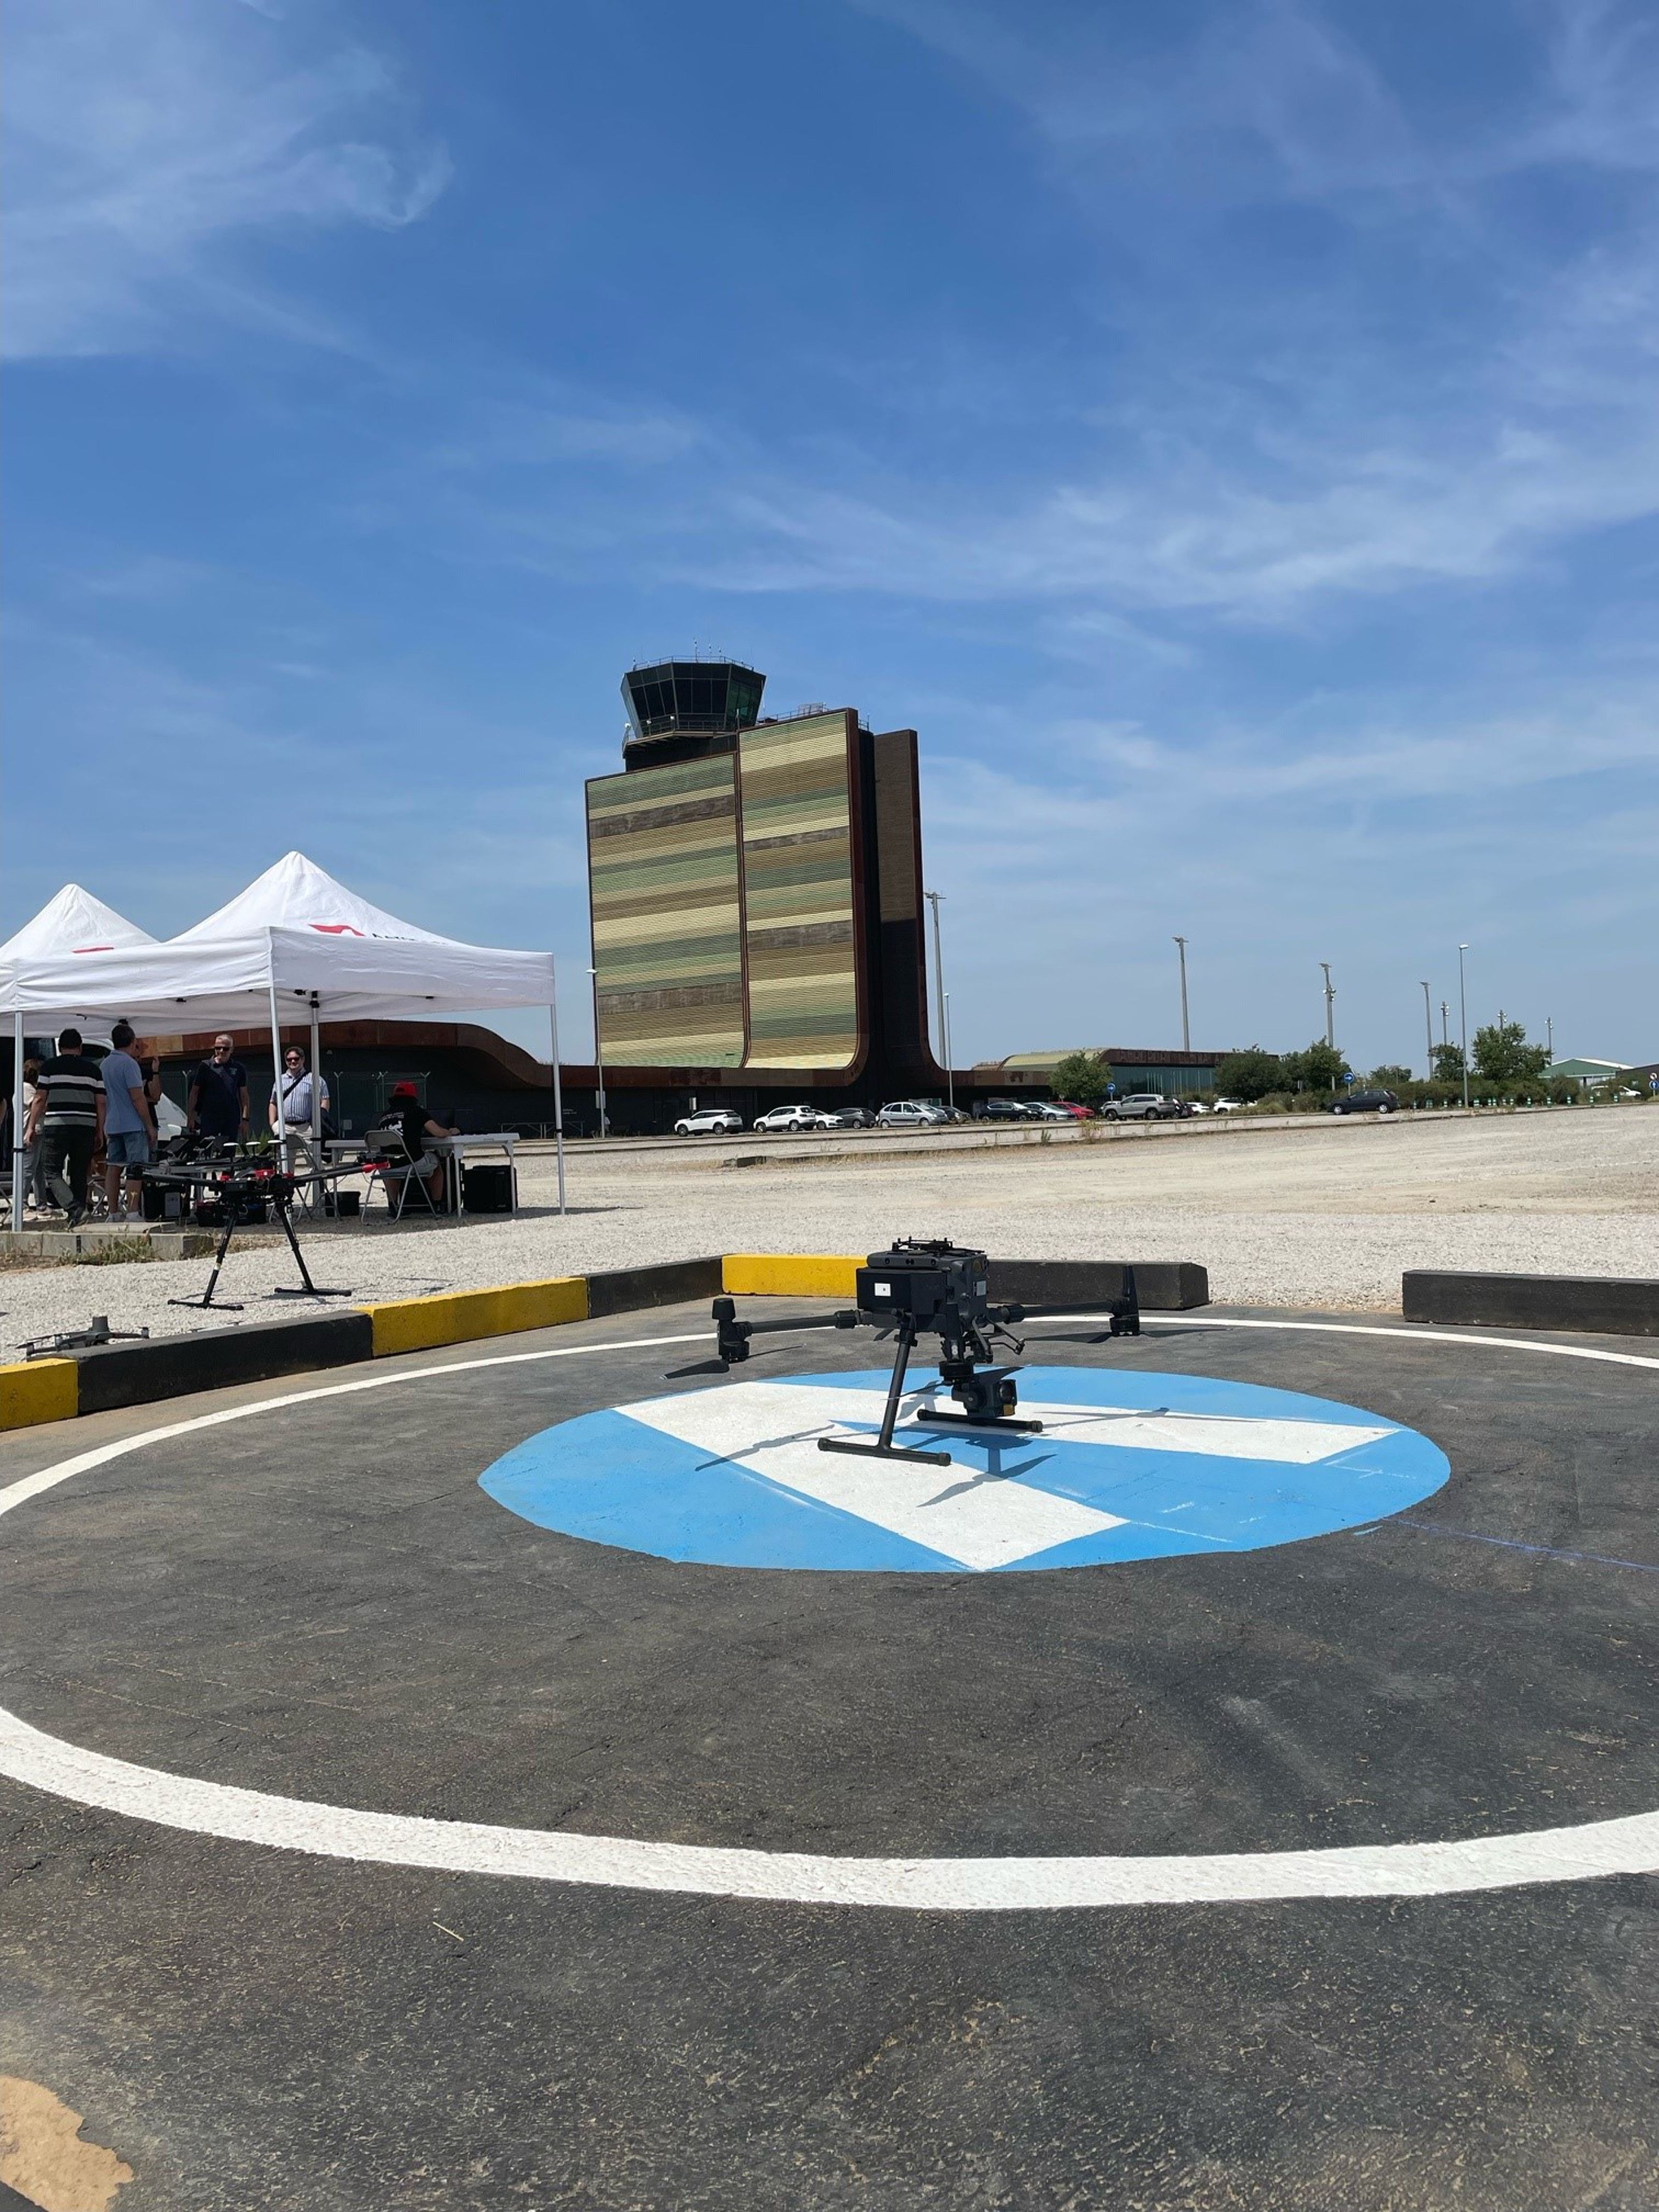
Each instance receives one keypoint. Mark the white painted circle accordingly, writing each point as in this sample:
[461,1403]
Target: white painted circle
[1599,1848]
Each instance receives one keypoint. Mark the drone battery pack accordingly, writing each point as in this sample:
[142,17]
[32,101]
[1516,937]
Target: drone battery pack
[920,1283]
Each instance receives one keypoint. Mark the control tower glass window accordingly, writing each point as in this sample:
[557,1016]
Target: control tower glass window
[672,698]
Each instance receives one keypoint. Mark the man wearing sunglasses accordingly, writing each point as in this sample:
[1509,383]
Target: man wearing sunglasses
[218,1104]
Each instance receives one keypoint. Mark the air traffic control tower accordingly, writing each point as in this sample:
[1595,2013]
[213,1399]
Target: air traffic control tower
[755,893]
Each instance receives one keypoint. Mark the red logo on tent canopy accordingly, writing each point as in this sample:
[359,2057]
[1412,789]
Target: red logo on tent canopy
[337,929]
[94,948]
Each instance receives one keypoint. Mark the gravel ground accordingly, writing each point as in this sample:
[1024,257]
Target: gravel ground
[1324,1216]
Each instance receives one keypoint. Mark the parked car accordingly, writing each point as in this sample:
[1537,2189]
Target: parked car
[1003,1109]
[854,1117]
[1046,1109]
[1226,1106]
[912,1113]
[791,1121]
[710,1121]
[950,1112]
[1364,1102]
[1141,1106]
[1072,1111]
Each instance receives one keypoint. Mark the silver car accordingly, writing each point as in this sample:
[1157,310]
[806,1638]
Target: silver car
[912,1113]
[1141,1106]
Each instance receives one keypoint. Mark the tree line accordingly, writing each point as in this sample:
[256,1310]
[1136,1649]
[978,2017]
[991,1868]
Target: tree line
[1505,1064]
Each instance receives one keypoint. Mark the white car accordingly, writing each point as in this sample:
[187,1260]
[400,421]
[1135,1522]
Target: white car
[1226,1106]
[793,1120]
[710,1121]
[912,1113]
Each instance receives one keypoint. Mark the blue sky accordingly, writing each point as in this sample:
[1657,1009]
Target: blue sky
[1230,432]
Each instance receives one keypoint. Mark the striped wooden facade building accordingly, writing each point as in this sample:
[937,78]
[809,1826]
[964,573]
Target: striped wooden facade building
[756,908]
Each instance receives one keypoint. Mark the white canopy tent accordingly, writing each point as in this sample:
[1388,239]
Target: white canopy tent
[71,925]
[295,944]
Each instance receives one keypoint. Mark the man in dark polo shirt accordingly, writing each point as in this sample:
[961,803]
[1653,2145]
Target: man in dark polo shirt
[218,1094]
[69,1114]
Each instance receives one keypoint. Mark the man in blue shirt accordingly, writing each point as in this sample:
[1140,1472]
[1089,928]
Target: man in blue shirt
[128,1131]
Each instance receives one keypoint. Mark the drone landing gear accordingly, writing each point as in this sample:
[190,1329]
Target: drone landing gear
[981,1422]
[884,1446]
[226,1305]
[304,1288]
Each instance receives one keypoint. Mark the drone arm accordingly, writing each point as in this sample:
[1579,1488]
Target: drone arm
[806,1320]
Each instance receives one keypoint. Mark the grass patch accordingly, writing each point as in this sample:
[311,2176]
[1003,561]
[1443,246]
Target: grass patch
[115,1252]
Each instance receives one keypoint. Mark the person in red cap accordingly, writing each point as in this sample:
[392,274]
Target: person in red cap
[404,1131]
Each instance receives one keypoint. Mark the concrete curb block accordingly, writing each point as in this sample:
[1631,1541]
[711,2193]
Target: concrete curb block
[115,1375]
[106,1378]
[632,1290]
[459,1317]
[1597,1305]
[35,1390]
[1161,1285]
[789,1275]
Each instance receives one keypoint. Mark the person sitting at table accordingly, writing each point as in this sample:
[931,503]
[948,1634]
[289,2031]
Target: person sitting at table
[402,1134]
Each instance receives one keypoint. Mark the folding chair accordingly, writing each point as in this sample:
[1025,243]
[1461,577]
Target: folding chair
[403,1173]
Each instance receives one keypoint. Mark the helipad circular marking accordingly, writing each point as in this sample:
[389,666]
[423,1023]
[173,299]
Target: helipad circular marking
[1127,1465]
[1588,1852]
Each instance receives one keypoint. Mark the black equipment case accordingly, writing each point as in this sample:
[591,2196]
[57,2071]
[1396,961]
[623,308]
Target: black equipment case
[487,1188]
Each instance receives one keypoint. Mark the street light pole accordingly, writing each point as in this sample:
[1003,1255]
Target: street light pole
[1549,1031]
[1463,1019]
[598,1046]
[950,1073]
[1185,1033]
[1445,1031]
[1428,1030]
[1330,1006]
[935,899]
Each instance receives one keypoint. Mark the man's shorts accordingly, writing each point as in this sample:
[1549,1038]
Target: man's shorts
[127,1148]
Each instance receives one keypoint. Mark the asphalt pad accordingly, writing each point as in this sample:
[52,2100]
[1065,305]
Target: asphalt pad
[338,1597]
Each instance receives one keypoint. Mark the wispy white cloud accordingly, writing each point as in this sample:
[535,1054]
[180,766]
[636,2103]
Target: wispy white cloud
[1281,99]
[152,140]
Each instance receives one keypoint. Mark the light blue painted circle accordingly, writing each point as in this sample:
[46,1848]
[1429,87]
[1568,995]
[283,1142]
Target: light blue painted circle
[1164,1465]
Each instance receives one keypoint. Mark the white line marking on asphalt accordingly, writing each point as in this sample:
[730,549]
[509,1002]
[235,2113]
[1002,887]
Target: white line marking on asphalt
[1589,1852]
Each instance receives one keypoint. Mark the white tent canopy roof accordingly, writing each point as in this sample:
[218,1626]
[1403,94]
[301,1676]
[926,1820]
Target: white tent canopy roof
[72,922]
[294,893]
[295,931]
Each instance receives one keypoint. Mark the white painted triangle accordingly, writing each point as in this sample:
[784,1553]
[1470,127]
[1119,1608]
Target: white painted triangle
[977,1518]
[1212,1436]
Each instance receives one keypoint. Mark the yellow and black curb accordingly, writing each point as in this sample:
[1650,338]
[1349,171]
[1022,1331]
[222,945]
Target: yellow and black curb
[108,1376]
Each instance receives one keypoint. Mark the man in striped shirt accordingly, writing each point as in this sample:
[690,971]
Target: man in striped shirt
[68,1111]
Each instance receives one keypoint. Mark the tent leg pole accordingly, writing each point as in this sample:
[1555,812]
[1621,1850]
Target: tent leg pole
[17,1142]
[315,1192]
[558,1102]
[276,1061]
